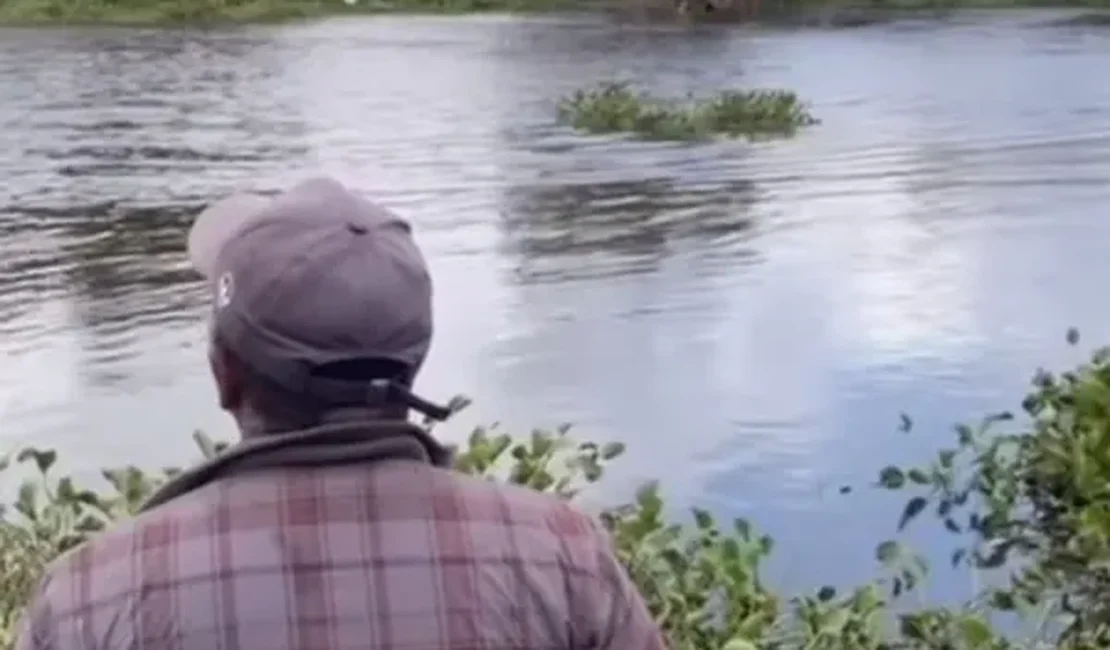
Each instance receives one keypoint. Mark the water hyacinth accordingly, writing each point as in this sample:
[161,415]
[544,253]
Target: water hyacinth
[1027,496]
[613,107]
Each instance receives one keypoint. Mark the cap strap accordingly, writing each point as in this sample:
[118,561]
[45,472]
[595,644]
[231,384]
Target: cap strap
[388,390]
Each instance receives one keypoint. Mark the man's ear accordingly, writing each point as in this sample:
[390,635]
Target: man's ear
[228,372]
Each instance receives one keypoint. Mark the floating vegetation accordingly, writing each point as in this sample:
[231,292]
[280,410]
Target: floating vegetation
[613,107]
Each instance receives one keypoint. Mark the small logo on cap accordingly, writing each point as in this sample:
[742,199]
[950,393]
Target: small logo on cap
[224,290]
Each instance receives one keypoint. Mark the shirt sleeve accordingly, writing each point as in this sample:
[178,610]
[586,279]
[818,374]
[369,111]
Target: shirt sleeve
[33,630]
[619,617]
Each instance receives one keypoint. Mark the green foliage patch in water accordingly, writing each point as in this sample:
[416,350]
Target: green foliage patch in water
[1027,497]
[613,107]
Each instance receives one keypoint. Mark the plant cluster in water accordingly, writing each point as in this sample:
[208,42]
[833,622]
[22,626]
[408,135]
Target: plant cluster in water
[1030,502]
[613,107]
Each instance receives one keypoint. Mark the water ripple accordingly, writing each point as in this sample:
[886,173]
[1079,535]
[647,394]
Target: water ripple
[752,313]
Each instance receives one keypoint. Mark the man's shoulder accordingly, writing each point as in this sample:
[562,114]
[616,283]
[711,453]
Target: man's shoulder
[106,559]
[404,494]
[517,503]
[541,530]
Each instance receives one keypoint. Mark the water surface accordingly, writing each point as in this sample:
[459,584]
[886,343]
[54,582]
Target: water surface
[751,319]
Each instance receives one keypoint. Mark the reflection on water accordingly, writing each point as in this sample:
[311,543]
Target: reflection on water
[750,318]
[111,141]
[569,231]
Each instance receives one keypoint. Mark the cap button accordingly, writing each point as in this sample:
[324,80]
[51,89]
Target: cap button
[357,228]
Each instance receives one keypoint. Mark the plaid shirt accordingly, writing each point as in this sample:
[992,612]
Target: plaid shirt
[404,557]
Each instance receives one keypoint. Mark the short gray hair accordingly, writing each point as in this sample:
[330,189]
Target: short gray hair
[275,408]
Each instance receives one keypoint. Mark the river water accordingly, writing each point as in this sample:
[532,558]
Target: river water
[750,319]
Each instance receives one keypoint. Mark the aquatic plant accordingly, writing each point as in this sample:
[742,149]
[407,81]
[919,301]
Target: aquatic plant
[1031,501]
[613,107]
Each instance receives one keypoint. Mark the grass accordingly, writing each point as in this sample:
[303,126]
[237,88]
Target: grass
[1026,498]
[613,107]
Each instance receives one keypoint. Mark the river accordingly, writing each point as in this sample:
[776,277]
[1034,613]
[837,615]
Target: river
[750,318]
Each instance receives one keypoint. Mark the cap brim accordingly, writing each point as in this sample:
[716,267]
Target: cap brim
[219,223]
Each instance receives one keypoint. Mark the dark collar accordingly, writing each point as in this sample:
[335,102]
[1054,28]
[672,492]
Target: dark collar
[342,442]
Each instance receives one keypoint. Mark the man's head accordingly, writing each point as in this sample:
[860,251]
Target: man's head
[321,301]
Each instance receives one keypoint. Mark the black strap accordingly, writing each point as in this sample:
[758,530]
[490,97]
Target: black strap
[390,391]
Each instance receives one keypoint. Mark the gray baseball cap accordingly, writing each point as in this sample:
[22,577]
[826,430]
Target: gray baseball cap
[315,278]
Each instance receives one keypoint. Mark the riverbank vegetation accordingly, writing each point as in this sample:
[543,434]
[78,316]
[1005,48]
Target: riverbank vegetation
[613,107]
[814,13]
[134,12]
[216,12]
[1027,498]
[817,13]
[842,13]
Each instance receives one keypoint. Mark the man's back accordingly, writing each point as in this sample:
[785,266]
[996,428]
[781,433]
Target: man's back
[397,556]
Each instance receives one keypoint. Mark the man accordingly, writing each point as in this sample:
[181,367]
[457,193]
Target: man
[335,523]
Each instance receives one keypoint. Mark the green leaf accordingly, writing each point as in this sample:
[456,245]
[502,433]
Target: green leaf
[207,446]
[975,632]
[89,497]
[743,528]
[964,434]
[65,490]
[957,556]
[44,458]
[27,502]
[909,579]
[997,556]
[918,476]
[612,450]
[891,478]
[913,508]
[1003,600]
[913,626]
[702,519]
[836,621]
[737,643]
[888,551]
